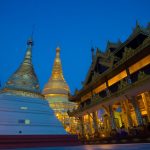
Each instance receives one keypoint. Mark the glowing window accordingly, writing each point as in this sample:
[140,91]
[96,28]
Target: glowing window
[140,64]
[117,78]
[85,97]
[22,121]
[27,121]
[23,108]
[86,117]
[100,88]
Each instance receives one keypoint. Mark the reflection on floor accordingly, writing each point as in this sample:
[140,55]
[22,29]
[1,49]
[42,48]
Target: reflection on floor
[140,146]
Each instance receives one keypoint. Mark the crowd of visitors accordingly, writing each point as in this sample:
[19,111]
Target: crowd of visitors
[135,131]
[141,130]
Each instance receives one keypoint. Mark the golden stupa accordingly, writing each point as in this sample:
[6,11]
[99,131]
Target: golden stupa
[56,92]
[56,85]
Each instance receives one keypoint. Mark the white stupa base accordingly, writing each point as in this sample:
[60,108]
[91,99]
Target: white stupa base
[21,115]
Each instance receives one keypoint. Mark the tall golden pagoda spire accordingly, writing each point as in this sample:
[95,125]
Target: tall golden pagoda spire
[57,73]
[56,85]
[56,93]
[24,79]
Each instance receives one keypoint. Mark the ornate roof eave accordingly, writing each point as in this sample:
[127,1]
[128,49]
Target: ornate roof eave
[137,30]
[95,61]
[131,37]
[113,45]
[99,54]
[87,76]
[102,77]
[90,70]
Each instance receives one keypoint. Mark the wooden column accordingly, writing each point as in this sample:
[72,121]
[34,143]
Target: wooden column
[90,124]
[137,110]
[125,103]
[112,119]
[95,123]
[145,97]
[107,89]
[128,76]
[108,123]
[82,132]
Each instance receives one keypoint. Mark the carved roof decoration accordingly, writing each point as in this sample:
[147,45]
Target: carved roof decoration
[137,31]
[108,57]
[101,58]
[111,46]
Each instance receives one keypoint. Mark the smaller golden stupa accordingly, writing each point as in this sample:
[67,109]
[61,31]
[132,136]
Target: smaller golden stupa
[56,92]
[56,85]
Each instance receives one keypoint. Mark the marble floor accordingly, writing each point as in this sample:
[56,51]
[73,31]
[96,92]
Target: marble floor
[139,146]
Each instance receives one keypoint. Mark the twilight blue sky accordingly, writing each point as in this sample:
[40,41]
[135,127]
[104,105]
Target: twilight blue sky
[71,24]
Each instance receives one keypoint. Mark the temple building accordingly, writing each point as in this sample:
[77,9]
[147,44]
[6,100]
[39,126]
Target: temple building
[56,92]
[23,109]
[116,91]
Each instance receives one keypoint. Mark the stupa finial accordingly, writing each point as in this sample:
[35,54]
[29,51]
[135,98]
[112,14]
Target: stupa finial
[57,49]
[30,41]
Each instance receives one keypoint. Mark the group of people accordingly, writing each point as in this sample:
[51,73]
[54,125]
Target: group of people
[134,131]
[120,132]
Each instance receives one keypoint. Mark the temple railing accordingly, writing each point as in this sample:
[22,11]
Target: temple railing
[97,100]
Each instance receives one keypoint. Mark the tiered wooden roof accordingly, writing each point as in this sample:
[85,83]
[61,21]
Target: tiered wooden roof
[106,64]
